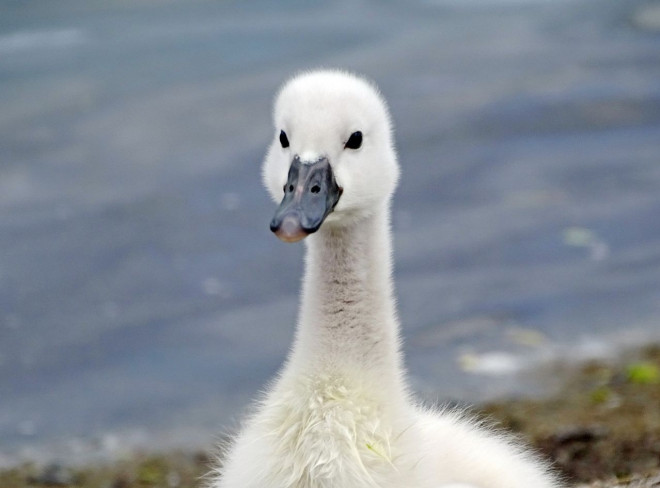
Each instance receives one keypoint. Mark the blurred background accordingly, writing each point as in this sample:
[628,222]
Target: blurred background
[143,300]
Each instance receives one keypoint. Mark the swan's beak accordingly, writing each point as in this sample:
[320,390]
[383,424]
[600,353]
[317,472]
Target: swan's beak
[310,194]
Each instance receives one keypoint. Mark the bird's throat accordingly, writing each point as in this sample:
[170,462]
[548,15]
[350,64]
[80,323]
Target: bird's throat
[347,314]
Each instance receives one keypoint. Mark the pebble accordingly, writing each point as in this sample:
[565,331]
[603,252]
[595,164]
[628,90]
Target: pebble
[650,481]
[54,475]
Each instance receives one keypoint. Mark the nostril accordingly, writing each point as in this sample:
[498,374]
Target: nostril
[316,189]
[290,187]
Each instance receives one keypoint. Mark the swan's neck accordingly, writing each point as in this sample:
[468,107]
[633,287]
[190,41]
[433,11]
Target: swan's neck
[347,317]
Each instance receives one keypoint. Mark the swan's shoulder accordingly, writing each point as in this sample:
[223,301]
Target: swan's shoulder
[461,448]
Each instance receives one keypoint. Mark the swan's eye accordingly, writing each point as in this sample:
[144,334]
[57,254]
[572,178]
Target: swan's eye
[355,141]
[284,140]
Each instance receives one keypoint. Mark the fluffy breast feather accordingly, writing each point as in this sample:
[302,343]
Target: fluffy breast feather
[327,430]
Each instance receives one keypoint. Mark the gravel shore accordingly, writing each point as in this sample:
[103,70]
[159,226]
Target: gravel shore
[601,430]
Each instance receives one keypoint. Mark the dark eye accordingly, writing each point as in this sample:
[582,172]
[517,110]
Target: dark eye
[284,139]
[355,141]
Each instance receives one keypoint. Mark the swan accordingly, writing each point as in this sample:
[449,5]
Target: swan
[339,414]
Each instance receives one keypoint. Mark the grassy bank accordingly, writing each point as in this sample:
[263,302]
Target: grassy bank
[604,424]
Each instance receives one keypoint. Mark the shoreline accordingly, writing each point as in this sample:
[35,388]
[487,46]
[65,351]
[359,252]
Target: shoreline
[602,424]
[601,429]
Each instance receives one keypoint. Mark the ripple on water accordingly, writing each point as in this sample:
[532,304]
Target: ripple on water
[647,17]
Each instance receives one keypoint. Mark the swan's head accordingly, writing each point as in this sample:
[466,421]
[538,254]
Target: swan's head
[332,161]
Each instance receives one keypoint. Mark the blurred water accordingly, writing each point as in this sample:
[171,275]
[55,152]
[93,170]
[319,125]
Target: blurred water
[143,300]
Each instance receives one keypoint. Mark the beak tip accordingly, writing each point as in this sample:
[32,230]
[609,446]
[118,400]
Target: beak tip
[289,229]
[290,238]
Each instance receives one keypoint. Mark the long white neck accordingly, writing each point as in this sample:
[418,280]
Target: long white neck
[347,317]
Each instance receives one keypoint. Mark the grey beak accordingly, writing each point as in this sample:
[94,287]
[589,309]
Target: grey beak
[310,194]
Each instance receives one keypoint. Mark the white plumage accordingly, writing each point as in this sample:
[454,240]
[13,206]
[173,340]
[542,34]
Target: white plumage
[339,414]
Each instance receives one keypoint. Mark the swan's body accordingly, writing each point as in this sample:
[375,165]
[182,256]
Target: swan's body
[339,414]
